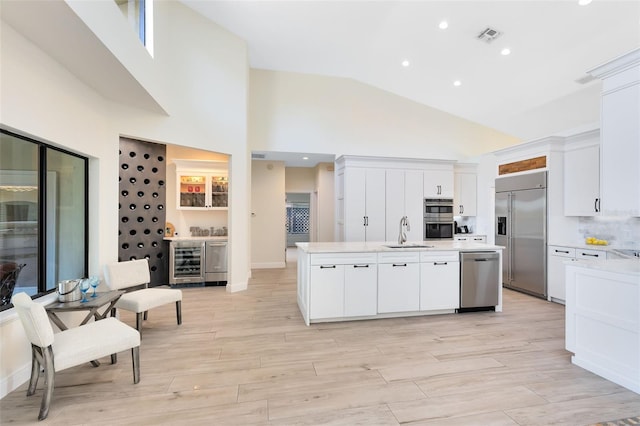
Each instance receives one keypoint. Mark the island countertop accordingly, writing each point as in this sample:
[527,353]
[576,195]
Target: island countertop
[381,246]
[621,266]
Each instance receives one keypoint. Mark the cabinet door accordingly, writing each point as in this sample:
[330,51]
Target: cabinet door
[464,199]
[438,183]
[326,296]
[556,288]
[375,205]
[398,287]
[620,180]
[395,200]
[354,204]
[439,285]
[191,191]
[360,290]
[413,204]
[582,181]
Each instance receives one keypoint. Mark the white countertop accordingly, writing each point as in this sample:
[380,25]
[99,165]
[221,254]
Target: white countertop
[621,266]
[224,238]
[360,247]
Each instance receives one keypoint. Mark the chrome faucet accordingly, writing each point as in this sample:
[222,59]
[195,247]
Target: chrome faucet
[404,226]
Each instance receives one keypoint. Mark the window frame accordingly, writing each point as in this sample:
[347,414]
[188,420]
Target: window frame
[43,148]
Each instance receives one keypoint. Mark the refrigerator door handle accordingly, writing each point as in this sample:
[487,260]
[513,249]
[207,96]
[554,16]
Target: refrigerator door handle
[510,233]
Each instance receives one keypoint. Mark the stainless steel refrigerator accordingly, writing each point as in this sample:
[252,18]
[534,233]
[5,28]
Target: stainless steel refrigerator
[521,226]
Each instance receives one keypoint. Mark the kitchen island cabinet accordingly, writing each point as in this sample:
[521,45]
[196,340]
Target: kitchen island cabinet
[603,318]
[340,281]
[398,282]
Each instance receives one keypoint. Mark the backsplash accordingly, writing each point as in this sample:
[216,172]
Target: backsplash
[620,232]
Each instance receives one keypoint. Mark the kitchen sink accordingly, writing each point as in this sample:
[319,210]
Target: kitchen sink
[408,246]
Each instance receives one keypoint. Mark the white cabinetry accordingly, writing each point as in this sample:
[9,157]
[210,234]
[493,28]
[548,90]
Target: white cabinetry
[620,131]
[398,282]
[603,322]
[582,180]
[343,285]
[472,238]
[438,183]
[404,198]
[465,190]
[201,185]
[558,255]
[364,204]
[439,281]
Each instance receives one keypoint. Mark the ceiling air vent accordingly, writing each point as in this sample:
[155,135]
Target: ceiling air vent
[488,35]
[255,156]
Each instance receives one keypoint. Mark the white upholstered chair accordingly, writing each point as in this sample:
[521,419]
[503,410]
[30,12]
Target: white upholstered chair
[59,351]
[134,276]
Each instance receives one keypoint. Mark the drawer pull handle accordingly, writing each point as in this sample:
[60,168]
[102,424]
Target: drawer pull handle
[399,264]
[562,251]
[440,263]
[589,254]
[328,267]
[360,266]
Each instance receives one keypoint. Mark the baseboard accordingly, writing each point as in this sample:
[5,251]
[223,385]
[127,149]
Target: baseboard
[268,265]
[237,286]
[14,380]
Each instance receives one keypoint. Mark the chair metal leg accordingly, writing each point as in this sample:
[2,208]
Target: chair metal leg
[139,321]
[114,358]
[135,360]
[146,315]
[49,374]
[35,369]
[179,311]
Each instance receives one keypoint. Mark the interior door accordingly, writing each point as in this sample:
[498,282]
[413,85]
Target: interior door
[502,232]
[528,271]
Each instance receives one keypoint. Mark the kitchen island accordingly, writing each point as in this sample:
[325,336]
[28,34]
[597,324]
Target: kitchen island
[340,281]
[603,318]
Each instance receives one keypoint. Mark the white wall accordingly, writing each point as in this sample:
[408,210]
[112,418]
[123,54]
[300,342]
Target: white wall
[300,112]
[268,211]
[203,73]
[325,197]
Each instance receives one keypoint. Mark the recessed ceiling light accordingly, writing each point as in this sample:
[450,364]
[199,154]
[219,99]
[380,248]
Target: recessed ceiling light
[443,25]
[505,51]
[406,63]
[457,83]
[584,2]
[305,158]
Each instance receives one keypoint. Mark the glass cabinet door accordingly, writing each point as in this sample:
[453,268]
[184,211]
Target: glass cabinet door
[219,191]
[193,190]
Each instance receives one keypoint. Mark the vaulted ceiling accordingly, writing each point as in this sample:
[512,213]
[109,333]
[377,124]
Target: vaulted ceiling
[537,89]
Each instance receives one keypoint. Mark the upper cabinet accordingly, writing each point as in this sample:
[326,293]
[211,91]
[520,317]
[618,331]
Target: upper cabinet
[465,190]
[620,135]
[201,185]
[582,177]
[438,183]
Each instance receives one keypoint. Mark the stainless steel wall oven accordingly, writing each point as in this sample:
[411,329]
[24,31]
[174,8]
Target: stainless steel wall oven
[438,219]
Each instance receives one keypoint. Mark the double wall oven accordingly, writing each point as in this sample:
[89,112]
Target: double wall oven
[438,219]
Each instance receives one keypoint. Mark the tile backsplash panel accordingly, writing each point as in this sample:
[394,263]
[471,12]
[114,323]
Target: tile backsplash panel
[619,231]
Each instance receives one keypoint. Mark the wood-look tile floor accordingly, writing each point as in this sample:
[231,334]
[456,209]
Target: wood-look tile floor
[248,359]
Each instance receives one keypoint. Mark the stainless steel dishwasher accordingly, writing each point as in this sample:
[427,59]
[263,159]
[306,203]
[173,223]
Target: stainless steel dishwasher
[479,280]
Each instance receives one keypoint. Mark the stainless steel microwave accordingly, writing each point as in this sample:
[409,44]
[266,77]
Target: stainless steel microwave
[438,209]
[438,230]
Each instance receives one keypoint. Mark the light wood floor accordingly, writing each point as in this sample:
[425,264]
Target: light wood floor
[247,358]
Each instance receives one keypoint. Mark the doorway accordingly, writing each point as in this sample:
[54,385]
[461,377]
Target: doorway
[298,218]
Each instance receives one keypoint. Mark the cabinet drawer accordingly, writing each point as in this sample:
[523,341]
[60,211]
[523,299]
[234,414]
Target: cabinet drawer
[439,256]
[399,257]
[343,259]
[562,251]
[590,254]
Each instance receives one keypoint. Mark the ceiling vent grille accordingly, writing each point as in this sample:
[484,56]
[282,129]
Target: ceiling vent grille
[489,34]
[255,156]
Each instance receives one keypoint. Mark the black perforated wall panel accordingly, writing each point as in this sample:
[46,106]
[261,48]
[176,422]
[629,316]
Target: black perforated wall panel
[142,205]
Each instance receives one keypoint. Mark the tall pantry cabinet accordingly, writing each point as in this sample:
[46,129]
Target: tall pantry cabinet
[620,133]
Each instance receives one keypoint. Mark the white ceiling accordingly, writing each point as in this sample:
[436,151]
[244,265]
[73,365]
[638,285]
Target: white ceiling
[532,90]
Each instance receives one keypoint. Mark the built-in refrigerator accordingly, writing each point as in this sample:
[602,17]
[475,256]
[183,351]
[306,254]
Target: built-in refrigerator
[521,226]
